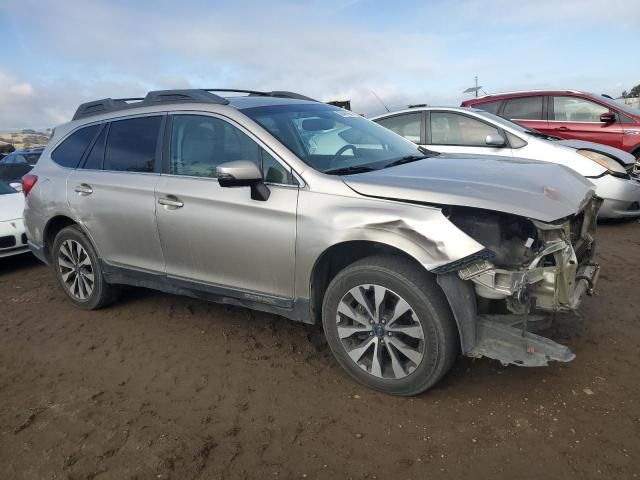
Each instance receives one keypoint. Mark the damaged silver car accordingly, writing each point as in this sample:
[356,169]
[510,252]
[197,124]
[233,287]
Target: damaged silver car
[279,203]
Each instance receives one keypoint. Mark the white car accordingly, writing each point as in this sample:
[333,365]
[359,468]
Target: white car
[13,239]
[469,130]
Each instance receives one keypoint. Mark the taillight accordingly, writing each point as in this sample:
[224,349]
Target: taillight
[28,181]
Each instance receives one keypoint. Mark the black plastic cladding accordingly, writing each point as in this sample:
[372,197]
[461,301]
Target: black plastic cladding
[107,105]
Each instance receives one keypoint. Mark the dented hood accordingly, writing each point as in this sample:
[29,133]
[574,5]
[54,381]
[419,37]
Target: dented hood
[540,190]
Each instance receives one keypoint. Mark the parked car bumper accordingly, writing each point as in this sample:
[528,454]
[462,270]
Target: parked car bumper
[621,196]
[13,240]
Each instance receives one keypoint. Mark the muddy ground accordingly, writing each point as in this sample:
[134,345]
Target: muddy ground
[164,387]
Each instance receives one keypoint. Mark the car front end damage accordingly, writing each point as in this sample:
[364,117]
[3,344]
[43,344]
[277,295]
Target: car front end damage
[530,271]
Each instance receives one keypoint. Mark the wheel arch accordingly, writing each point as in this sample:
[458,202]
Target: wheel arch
[337,257]
[54,226]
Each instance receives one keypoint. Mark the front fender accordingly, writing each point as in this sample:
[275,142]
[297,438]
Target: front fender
[422,232]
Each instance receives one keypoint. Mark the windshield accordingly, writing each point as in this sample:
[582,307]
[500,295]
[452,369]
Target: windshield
[6,189]
[333,140]
[619,105]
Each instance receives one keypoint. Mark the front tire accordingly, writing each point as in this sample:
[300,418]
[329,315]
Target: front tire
[389,325]
[78,270]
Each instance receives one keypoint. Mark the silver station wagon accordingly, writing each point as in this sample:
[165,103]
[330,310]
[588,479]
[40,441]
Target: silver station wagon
[276,202]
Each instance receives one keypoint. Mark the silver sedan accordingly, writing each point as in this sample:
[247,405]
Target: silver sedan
[468,130]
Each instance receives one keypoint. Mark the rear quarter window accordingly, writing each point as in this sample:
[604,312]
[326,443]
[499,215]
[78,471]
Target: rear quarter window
[69,152]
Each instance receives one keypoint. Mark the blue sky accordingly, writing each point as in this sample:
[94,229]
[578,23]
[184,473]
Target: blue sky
[57,54]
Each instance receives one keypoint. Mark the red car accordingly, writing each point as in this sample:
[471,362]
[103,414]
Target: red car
[569,114]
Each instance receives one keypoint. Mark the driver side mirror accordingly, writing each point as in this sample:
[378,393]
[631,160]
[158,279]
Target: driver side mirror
[243,173]
[495,140]
[608,117]
[16,186]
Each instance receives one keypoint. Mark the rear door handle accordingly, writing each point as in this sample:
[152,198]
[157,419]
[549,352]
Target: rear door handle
[170,202]
[564,128]
[83,189]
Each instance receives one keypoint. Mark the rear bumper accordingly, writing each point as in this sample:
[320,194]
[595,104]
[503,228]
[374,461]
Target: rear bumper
[621,196]
[38,251]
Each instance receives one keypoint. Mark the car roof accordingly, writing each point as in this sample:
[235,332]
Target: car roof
[420,109]
[525,93]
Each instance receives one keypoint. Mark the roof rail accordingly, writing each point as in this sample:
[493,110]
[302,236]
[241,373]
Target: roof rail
[256,93]
[157,97]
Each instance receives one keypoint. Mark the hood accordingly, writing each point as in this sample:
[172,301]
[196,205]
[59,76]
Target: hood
[620,155]
[529,188]
[11,206]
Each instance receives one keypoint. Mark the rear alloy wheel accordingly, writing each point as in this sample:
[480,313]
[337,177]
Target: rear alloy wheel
[78,270]
[389,325]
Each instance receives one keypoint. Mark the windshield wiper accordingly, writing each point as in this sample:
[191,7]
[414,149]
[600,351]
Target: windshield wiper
[349,170]
[407,159]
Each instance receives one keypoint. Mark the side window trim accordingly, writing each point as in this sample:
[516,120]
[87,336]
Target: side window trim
[297,180]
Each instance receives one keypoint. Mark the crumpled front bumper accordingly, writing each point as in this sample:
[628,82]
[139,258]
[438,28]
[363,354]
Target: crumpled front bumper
[556,278]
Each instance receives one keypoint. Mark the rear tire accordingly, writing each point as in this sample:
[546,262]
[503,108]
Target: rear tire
[389,325]
[78,270]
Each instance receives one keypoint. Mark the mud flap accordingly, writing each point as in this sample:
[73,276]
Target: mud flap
[515,346]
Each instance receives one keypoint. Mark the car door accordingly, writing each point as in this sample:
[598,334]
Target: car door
[579,118]
[112,193]
[528,111]
[461,133]
[217,238]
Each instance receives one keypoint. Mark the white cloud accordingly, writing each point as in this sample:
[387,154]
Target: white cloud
[102,48]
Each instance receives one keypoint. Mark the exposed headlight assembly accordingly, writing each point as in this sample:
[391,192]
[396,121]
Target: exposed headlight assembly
[604,161]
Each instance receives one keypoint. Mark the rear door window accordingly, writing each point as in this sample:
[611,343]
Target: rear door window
[132,144]
[491,107]
[460,130]
[525,108]
[70,151]
[407,125]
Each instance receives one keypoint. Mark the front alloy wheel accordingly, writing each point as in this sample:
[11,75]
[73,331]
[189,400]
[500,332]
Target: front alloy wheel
[380,332]
[389,324]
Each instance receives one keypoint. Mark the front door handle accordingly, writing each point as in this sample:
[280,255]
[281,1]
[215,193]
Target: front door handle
[564,129]
[170,202]
[83,189]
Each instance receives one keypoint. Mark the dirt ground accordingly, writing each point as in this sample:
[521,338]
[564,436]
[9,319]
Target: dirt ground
[164,387]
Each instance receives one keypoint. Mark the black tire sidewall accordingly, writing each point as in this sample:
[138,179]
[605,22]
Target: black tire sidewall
[99,289]
[430,315]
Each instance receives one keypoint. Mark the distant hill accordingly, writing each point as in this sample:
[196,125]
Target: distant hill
[26,138]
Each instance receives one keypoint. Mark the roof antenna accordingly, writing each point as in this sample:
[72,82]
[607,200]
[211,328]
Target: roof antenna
[374,94]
